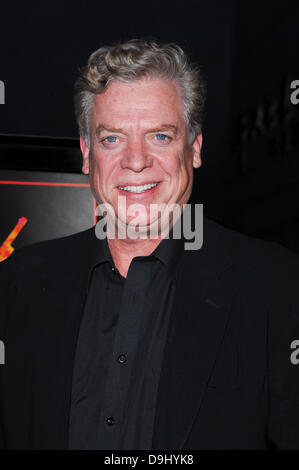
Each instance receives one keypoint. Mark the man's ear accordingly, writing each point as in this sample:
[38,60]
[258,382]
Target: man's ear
[196,147]
[85,155]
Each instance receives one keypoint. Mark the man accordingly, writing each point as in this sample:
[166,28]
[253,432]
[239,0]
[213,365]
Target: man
[125,342]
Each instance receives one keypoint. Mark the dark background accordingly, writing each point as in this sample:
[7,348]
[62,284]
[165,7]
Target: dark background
[248,53]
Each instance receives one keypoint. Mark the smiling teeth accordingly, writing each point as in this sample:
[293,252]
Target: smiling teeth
[138,189]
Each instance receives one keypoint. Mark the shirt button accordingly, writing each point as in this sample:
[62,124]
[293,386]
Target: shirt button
[113,269]
[110,421]
[122,359]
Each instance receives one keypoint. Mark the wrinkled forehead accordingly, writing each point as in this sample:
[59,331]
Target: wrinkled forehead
[147,101]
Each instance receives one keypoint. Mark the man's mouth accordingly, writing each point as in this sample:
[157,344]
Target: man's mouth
[139,189]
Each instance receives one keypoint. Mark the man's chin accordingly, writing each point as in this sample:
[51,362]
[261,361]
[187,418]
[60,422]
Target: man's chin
[145,221]
[135,228]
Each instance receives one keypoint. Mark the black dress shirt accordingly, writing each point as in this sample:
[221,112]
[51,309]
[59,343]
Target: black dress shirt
[120,349]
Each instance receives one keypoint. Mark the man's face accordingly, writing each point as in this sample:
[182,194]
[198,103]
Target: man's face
[138,137]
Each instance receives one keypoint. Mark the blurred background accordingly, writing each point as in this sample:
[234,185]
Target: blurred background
[248,54]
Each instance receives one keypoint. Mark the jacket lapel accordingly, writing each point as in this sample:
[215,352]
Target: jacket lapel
[197,326]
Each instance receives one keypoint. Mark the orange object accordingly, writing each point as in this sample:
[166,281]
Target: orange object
[6,248]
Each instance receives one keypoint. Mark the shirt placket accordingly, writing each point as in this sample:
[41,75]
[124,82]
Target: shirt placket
[122,358]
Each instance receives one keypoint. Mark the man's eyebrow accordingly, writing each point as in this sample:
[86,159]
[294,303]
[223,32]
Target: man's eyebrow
[162,127]
[165,127]
[101,128]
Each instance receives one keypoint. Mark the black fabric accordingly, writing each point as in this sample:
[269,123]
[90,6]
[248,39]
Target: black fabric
[120,350]
[227,380]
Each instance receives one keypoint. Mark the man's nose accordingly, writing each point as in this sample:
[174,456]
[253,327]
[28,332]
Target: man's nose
[136,156]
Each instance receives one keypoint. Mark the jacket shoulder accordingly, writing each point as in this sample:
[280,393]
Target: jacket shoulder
[42,253]
[264,258]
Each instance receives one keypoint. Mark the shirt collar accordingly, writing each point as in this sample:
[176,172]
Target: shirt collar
[169,251]
[102,253]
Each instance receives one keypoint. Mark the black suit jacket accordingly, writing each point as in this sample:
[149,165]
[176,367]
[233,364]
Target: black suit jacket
[227,379]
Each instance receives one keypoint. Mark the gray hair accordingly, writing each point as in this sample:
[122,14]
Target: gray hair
[133,60]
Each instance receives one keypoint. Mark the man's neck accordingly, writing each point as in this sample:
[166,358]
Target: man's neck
[123,251]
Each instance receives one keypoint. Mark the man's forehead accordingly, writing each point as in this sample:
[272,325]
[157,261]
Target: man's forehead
[142,92]
[149,104]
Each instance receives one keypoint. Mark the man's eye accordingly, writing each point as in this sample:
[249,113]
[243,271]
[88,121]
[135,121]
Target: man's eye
[162,138]
[110,139]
